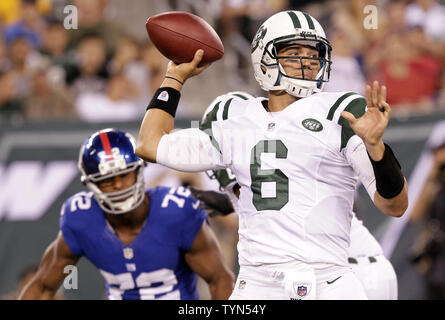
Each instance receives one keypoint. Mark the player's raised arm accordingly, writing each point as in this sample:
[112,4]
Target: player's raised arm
[205,258]
[159,119]
[392,192]
[50,274]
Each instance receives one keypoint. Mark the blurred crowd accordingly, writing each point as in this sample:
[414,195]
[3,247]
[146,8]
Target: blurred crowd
[96,73]
[100,72]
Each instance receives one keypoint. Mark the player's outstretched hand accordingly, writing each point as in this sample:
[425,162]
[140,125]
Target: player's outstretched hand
[371,126]
[214,202]
[186,70]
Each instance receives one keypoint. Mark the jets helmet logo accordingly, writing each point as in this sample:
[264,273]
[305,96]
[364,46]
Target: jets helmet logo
[259,36]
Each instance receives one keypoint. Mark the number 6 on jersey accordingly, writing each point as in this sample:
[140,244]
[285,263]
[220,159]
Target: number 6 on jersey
[264,179]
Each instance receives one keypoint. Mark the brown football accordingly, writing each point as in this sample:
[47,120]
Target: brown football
[178,35]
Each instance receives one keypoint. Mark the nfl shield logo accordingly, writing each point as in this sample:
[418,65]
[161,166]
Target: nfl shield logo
[163,96]
[128,253]
[301,291]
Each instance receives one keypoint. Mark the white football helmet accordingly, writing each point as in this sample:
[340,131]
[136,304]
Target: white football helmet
[283,28]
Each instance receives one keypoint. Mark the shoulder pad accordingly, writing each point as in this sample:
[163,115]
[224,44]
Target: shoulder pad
[351,102]
[222,106]
[79,206]
[342,101]
[79,211]
[81,201]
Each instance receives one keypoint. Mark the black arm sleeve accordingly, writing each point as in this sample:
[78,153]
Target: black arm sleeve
[389,178]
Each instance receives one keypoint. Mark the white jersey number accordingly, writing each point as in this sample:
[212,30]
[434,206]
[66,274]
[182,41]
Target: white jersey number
[82,201]
[143,282]
[181,191]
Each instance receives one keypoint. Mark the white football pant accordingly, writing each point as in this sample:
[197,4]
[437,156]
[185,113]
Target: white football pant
[260,283]
[377,276]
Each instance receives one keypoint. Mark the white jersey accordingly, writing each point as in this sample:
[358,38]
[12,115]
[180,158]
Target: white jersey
[297,169]
[363,243]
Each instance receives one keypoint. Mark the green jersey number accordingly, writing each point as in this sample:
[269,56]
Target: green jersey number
[260,176]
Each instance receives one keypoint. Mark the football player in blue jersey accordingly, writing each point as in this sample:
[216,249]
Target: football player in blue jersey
[147,243]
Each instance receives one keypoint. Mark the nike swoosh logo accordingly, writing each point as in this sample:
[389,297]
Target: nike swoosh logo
[331,282]
[195,205]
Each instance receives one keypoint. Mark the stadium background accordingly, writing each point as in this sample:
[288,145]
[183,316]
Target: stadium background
[45,90]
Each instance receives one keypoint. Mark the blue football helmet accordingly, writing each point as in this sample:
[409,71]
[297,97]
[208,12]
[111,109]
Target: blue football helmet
[106,154]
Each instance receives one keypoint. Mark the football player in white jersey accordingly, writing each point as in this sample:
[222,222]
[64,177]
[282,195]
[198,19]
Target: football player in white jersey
[296,155]
[365,255]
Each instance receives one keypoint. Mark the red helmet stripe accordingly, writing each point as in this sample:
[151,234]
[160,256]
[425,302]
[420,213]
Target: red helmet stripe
[105,143]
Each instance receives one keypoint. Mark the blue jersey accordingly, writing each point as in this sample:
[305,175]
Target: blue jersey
[152,266]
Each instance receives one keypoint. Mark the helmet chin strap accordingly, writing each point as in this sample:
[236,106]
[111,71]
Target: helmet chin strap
[117,207]
[125,205]
[296,87]
[103,200]
[300,90]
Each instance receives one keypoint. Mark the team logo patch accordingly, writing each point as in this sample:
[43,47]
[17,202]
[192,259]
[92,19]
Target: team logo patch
[306,33]
[104,157]
[312,125]
[242,284]
[111,162]
[302,291]
[163,96]
[128,253]
[302,288]
[271,126]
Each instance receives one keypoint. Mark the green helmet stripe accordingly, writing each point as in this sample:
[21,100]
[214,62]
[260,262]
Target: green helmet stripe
[295,19]
[309,21]
[337,104]
[226,109]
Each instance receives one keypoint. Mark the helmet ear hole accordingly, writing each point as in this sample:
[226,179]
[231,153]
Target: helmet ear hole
[263,69]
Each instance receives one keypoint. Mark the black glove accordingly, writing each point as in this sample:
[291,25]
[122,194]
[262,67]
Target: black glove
[215,203]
